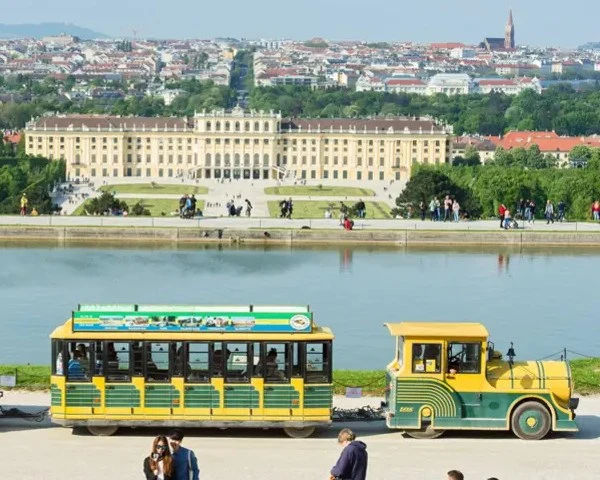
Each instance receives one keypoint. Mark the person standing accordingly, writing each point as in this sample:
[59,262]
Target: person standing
[456,210]
[193,202]
[248,207]
[447,206]
[352,464]
[501,213]
[159,464]
[532,209]
[507,219]
[182,201]
[527,211]
[185,465]
[561,211]
[24,203]
[432,209]
[361,209]
[521,209]
[438,212]
[596,210]
[549,212]
[290,208]
[423,209]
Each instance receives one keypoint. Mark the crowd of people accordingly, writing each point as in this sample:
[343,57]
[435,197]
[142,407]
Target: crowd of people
[525,210]
[187,206]
[451,209]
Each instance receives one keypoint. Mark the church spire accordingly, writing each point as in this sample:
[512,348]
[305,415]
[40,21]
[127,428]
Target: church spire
[509,32]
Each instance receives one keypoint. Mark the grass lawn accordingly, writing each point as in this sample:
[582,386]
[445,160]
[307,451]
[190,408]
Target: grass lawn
[316,209]
[29,377]
[371,381]
[322,191]
[586,375]
[156,205]
[156,188]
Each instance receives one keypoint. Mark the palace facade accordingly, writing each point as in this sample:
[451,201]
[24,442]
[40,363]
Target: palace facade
[239,145]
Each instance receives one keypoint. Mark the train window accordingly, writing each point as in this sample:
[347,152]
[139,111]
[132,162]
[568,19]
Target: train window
[236,365]
[464,357]
[296,359]
[157,362]
[80,360]
[137,359]
[257,355]
[197,362]
[318,364]
[178,356]
[217,360]
[58,361]
[117,362]
[98,358]
[276,363]
[426,357]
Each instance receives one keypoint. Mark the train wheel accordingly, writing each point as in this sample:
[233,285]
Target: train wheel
[102,431]
[531,421]
[426,432]
[299,432]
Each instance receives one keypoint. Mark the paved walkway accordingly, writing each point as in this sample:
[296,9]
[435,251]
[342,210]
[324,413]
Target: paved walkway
[254,222]
[39,450]
[69,200]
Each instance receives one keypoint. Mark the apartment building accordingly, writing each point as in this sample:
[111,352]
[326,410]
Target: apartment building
[239,145]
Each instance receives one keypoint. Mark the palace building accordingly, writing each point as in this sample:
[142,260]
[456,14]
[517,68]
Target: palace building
[239,145]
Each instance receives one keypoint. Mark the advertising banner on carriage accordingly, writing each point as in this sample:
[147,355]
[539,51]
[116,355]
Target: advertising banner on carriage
[102,320]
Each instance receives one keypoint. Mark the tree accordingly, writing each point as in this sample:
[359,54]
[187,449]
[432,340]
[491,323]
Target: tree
[471,158]
[139,210]
[427,183]
[580,155]
[105,204]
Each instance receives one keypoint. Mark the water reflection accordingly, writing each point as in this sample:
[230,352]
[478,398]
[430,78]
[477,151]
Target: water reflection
[503,262]
[345,259]
[354,290]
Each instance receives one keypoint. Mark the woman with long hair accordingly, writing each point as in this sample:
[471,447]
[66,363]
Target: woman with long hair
[159,464]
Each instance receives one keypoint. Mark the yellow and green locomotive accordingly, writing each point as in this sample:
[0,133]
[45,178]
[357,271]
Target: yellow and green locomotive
[447,376]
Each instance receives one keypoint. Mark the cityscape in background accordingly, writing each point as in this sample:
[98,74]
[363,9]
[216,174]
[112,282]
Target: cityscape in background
[87,76]
[497,63]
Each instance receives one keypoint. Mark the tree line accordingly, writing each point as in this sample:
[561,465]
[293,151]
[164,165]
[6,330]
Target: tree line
[197,95]
[33,176]
[480,189]
[559,108]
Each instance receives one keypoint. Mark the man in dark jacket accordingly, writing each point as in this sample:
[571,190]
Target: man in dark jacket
[185,463]
[352,464]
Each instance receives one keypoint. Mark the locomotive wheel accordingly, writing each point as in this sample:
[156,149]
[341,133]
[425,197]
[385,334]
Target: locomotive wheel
[531,421]
[105,431]
[427,432]
[299,432]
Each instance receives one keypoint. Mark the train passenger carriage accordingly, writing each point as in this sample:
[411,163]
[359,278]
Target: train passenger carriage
[191,366]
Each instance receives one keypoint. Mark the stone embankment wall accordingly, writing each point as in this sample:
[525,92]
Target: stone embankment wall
[132,235]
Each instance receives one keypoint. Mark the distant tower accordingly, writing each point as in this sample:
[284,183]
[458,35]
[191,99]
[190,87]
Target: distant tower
[509,33]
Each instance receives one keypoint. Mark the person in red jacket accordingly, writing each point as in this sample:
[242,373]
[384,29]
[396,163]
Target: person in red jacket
[348,224]
[501,212]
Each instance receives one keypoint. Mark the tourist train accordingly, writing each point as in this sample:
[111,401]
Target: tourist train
[271,367]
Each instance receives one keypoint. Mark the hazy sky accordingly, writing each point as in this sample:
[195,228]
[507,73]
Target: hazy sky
[538,22]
